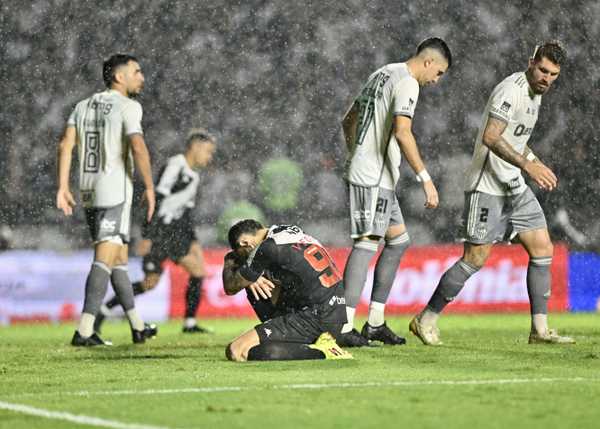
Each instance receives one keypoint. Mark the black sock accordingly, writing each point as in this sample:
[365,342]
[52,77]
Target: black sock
[138,288]
[192,296]
[113,302]
[284,351]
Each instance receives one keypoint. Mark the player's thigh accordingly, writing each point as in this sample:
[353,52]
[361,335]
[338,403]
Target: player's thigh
[537,242]
[238,349]
[107,252]
[193,262]
[123,255]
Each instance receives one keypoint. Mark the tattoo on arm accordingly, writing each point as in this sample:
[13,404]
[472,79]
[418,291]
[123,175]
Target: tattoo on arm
[492,138]
[233,282]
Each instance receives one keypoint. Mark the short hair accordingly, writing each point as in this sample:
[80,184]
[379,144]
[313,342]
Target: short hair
[246,226]
[553,50]
[199,134]
[437,44]
[111,65]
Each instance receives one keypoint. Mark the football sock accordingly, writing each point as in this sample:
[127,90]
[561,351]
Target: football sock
[387,266]
[95,289]
[355,274]
[138,288]
[538,289]
[192,296]
[284,351]
[450,285]
[189,322]
[122,286]
[135,320]
[105,311]
[86,325]
[376,314]
[113,302]
[349,325]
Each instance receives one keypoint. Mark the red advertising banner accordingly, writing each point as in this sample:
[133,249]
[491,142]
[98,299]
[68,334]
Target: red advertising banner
[500,286]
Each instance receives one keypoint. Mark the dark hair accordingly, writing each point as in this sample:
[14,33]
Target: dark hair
[552,50]
[110,66]
[246,226]
[437,44]
[199,134]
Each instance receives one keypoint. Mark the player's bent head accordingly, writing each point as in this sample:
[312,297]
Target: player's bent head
[544,66]
[123,69]
[246,227]
[437,45]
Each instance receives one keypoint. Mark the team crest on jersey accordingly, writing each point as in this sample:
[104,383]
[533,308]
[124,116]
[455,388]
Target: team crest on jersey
[505,106]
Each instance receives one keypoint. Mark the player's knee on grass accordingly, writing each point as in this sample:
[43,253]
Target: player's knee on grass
[236,352]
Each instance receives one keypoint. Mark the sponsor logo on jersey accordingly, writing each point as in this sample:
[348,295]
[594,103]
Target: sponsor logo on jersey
[337,300]
[108,225]
[505,106]
[268,332]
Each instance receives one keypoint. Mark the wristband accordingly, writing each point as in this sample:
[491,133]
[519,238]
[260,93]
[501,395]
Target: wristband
[423,176]
[531,156]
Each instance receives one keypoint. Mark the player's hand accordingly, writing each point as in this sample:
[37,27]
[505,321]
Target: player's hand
[143,247]
[262,288]
[150,199]
[541,175]
[65,201]
[431,195]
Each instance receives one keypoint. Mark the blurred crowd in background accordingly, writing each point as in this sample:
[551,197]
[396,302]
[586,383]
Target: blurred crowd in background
[272,80]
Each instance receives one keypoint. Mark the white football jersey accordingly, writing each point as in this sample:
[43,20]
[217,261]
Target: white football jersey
[103,123]
[375,157]
[511,101]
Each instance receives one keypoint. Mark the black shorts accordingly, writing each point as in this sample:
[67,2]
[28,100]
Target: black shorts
[172,245]
[303,326]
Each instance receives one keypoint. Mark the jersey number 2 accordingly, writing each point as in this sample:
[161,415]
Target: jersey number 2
[321,262]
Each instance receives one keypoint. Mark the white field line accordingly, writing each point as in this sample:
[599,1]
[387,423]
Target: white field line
[74,418]
[314,386]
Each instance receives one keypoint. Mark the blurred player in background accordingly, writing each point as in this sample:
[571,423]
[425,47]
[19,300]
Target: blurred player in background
[293,274]
[170,234]
[377,130]
[107,128]
[498,203]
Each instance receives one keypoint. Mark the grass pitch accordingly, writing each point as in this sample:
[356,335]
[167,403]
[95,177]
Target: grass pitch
[486,375]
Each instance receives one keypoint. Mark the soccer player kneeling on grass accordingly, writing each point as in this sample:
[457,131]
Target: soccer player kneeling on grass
[290,277]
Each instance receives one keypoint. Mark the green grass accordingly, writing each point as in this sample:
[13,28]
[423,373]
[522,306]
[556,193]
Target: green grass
[38,368]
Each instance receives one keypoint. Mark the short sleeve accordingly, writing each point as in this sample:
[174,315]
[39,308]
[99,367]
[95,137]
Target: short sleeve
[405,94]
[503,102]
[72,121]
[257,263]
[132,118]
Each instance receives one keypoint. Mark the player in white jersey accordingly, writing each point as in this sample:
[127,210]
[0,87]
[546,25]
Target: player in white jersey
[107,129]
[377,129]
[170,234]
[498,203]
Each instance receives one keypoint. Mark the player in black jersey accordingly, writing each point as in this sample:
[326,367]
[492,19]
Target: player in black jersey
[290,279]
[171,234]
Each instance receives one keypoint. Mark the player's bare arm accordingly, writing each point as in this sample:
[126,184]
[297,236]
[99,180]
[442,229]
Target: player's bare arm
[141,157]
[233,281]
[408,145]
[349,126]
[539,173]
[64,198]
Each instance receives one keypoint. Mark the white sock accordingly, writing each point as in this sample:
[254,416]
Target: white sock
[105,311]
[135,320]
[348,326]
[189,322]
[376,314]
[429,317]
[86,325]
[539,323]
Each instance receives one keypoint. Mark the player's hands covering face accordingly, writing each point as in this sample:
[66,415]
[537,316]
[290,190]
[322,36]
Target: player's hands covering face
[262,288]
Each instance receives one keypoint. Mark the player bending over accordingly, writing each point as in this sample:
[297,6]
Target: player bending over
[306,293]
[498,203]
[170,234]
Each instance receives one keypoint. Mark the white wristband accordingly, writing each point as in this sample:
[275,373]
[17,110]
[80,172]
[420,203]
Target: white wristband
[423,176]
[531,156]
